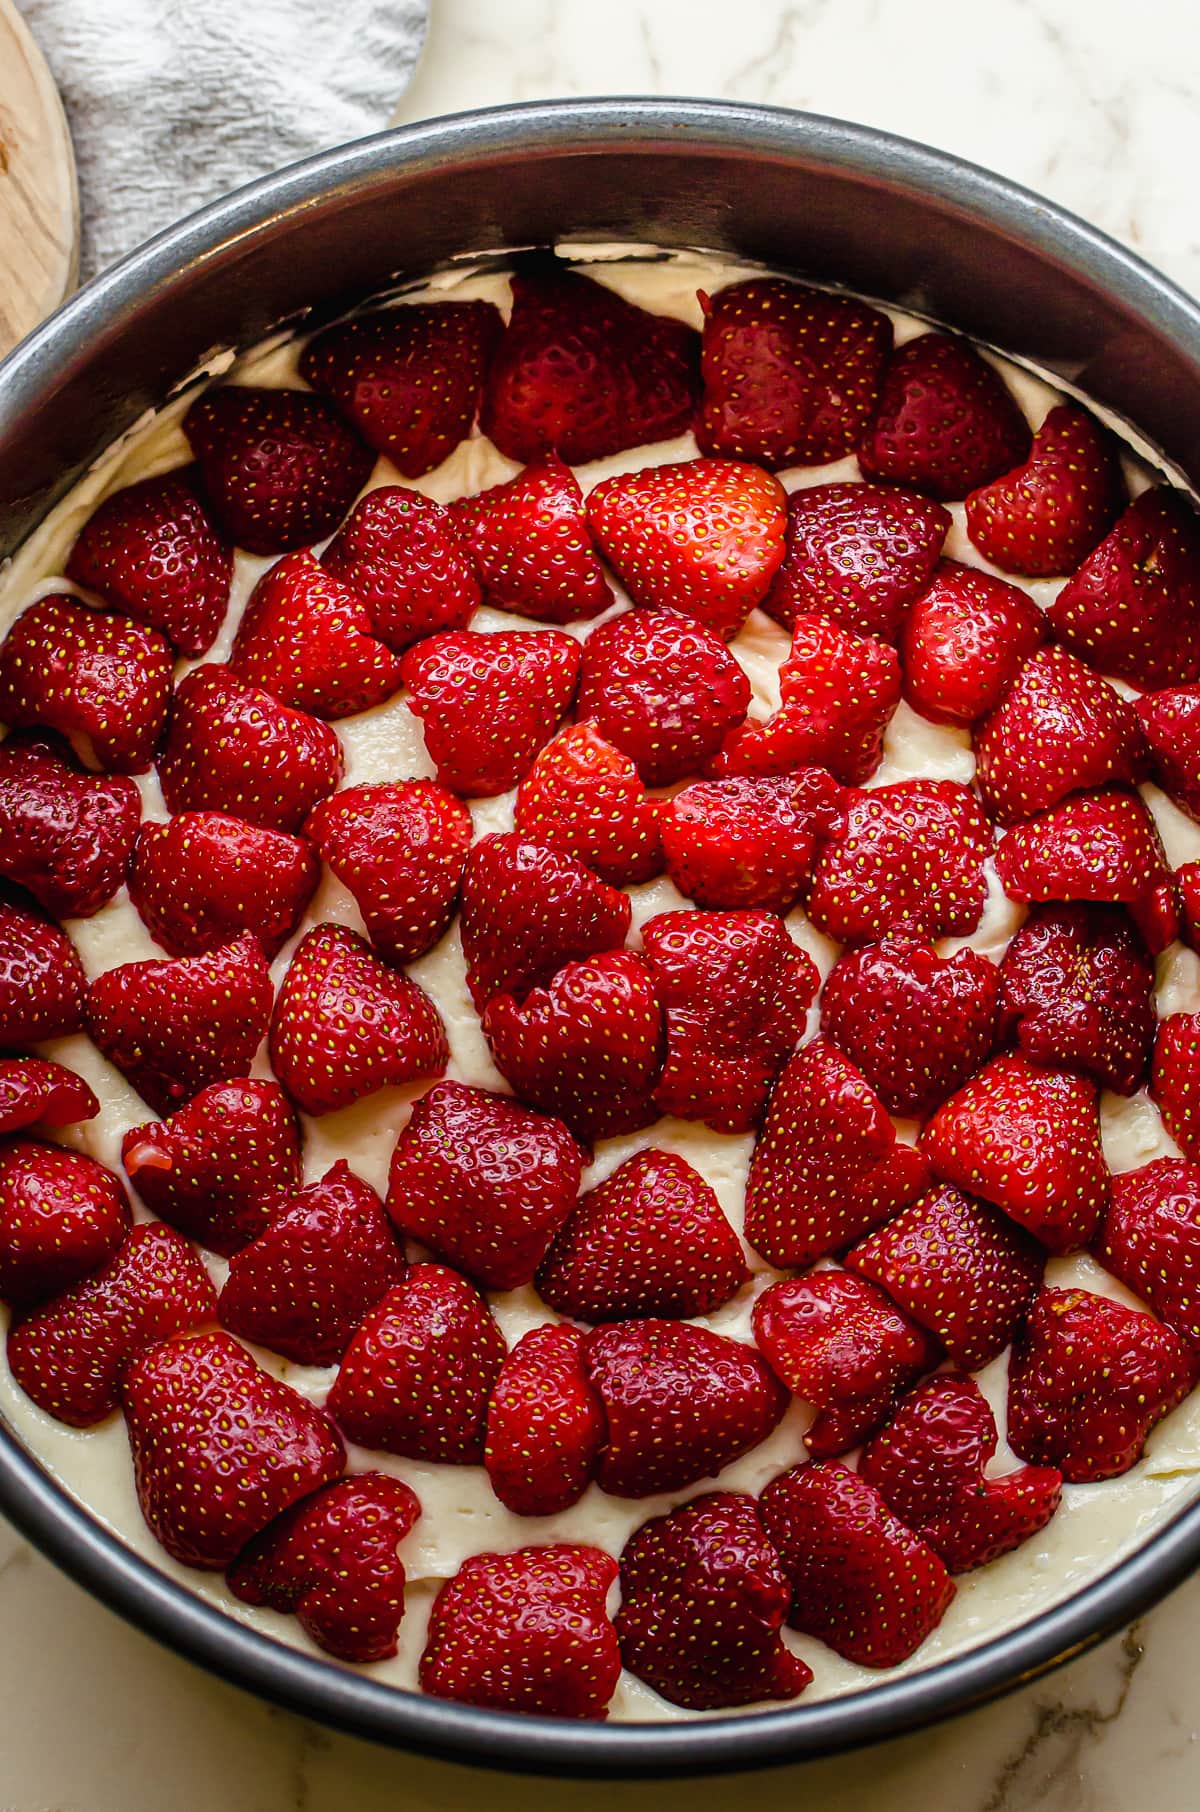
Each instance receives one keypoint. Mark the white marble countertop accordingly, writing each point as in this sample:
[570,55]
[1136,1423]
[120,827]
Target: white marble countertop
[1097,104]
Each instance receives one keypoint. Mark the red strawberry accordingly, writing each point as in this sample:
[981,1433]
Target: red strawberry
[945,422]
[860,1581]
[858,553]
[104,681]
[332,1560]
[64,834]
[35,1092]
[959,1267]
[402,555]
[69,1354]
[1027,1139]
[204,878]
[1100,846]
[910,853]
[173,1026]
[527,910]
[407,378]
[651,1239]
[399,846]
[827,1165]
[1171,722]
[308,641]
[61,1215]
[1133,607]
[682,1403]
[346,1025]
[749,842]
[151,552]
[42,983]
[1187,880]
[1045,516]
[736,993]
[278,466]
[545,1424]
[790,373]
[915,1023]
[583,373]
[416,1377]
[1088,1380]
[231,747]
[220,1447]
[217,1168]
[1150,1239]
[928,1465]
[483,1182]
[843,1346]
[585,798]
[703,537]
[1175,1081]
[526,1631]
[964,641]
[702,1602]
[487,703]
[529,538]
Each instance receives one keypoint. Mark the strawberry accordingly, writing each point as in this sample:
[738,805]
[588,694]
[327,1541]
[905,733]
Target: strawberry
[945,421]
[583,373]
[1046,515]
[703,537]
[61,1215]
[1060,728]
[860,1581]
[346,1025]
[588,1047]
[526,1631]
[399,846]
[790,374]
[402,555]
[1027,1139]
[307,640]
[663,689]
[408,378]
[231,747]
[151,552]
[483,1182]
[217,1168]
[1150,1239]
[42,983]
[1088,1380]
[1077,989]
[928,1466]
[545,1424]
[910,853]
[839,692]
[959,1267]
[527,910]
[279,468]
[1187,880]
[1175,1080]
[964,641]
[529,540]
[827,1165]
[331,1559]
[1133,607]
[842,1345]
[736,993]
[417,1374]
[68,1355]
[682,1403]
[204,878]
[702,1602]
[859,554]
[35,1092]
[752,841]
[105,681]
[651,1239]
[220,1447]
[1101,846]
[302,1286]
[173,1026]
[1171,723]
[914,1023]
[66,835]
[583,797]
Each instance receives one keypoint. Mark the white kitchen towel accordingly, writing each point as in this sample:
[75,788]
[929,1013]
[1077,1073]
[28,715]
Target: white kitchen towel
[173,102]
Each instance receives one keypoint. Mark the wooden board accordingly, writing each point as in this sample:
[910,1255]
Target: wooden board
[39,201]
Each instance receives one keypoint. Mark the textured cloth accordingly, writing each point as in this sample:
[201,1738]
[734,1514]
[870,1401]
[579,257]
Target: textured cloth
[173,102]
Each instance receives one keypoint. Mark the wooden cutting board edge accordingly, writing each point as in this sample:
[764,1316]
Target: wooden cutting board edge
[39,196]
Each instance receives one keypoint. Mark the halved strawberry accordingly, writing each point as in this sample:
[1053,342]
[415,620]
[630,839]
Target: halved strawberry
[35,1092]
[750,842]
[791,374]
[279,468]
[704,537]
[307,639]
[545,1424]
[204,878]
[1101,846]
[530,543]
[42,983]
[1171,723]
[582,796]
[1150,1239]
[1175,1080]
[964,641]
[61,1215]
[1043,517]
[65,834]
[402,555]
[945,421]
